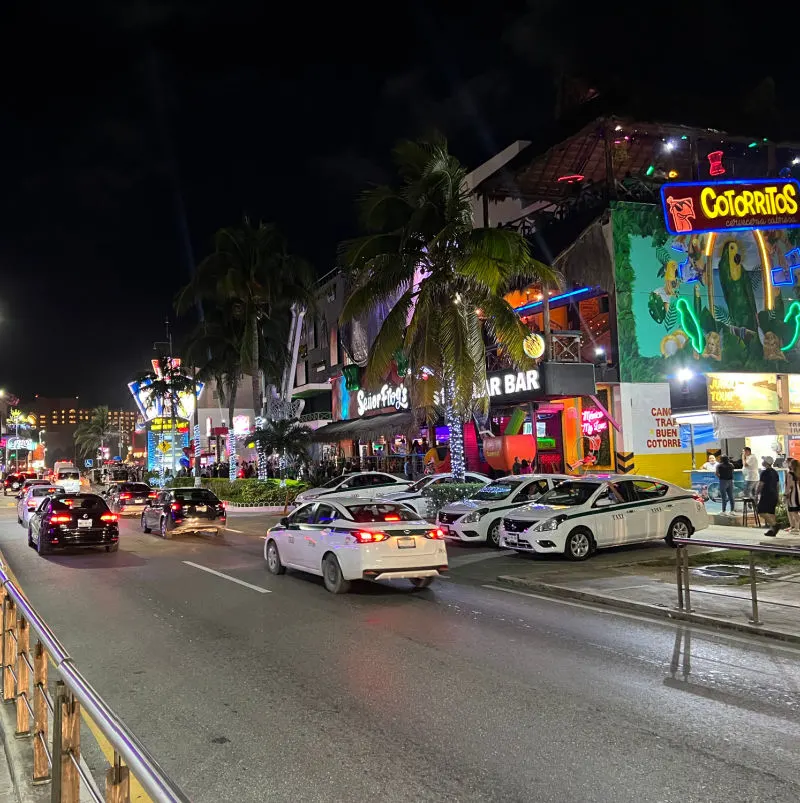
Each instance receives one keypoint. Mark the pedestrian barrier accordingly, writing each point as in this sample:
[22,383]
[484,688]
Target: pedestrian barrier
[682,571]
[57,755]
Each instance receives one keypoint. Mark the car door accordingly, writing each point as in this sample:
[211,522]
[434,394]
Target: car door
[657,507]
[608,522]
[316,537]
[35,522]
[291,544]
[624,520]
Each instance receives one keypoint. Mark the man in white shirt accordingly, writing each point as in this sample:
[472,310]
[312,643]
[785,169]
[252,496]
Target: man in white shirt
[750,471]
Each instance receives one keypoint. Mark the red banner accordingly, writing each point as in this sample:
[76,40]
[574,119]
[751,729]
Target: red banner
[731,205]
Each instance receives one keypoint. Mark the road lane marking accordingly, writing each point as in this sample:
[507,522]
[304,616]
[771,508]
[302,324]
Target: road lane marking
[466,560]
[231,530]
[767,645]
[228,577]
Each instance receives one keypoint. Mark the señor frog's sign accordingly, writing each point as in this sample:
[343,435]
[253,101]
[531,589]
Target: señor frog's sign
[731,205]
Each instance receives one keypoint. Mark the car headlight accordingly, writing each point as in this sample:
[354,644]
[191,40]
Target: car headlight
[476,515]
[548,524]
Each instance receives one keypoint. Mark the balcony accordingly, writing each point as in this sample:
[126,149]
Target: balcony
[564,347]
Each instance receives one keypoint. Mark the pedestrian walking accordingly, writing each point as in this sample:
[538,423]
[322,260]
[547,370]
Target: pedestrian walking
[750,471]
[768,494]
[792,496]
[517,467]
[724,472]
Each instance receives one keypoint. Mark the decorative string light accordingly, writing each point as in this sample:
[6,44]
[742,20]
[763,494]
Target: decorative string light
[455,424]
[261,451]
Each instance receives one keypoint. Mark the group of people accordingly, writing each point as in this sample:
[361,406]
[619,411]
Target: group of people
[762,484]
[521,467]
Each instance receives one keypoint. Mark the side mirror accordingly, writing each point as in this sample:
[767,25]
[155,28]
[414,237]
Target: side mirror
[603,501]
[284,522]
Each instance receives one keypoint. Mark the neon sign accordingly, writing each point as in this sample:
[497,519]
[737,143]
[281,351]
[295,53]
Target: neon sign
[784,276]
[593,422]
[691,325]
[387,396]
[792,313]
[731,205]
[715,163]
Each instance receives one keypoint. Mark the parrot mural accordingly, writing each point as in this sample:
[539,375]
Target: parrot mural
[737,290]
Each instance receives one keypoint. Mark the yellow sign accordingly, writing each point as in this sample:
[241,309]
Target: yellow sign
[743,393]
[794,393]
[165,425]
[533,345]
[163,447]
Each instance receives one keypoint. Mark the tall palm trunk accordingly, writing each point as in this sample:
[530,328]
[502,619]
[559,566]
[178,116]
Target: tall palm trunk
[455,424]
[258,397]
[231,438]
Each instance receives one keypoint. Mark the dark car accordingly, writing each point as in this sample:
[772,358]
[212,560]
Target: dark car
[184,510]
[73,520]
[129,497]
[13,482]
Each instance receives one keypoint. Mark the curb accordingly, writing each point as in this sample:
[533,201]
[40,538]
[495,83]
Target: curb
[554,591]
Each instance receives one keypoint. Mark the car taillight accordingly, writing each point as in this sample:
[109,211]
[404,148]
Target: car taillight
[176,506]
[436,534]
[152,495]
[109,517]
[125,496]
[698,498]
[391,517]
[368,537]
[60,518]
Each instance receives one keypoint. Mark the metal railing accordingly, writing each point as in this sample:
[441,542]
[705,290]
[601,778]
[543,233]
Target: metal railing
[682,569]
[57,757]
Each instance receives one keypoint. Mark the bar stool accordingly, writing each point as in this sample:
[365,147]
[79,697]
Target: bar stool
[749,502]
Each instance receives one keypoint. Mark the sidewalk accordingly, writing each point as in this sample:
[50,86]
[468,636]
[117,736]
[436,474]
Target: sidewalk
[649,586]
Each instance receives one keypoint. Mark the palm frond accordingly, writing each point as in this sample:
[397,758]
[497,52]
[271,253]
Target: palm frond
[389,339]
[507,329]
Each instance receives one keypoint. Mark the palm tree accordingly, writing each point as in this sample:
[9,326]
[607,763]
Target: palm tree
[290,439]
[213,348]
[450,280]
[91,435]
[252,270]
[165,386]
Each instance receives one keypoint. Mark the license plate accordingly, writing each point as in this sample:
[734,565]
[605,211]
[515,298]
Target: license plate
[406,543]
[444,528]
[511,539]
[201,508]
[138,501]
[84,524]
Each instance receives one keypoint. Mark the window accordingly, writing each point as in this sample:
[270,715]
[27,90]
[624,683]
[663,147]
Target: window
[570,494]
[647,490]
[88,502]
[325,515]
[384,511]
[496,491]
[304,515]
[195,495]
[333,347]
[358,482]
[532,491]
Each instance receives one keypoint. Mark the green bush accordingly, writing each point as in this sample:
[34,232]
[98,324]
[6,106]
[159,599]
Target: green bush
[442,493]
[246,492]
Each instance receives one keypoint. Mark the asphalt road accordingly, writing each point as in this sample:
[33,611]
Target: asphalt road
[457,693]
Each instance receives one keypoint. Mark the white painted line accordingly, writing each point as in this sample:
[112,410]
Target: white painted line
[228,577]
[231,530]
[465,560]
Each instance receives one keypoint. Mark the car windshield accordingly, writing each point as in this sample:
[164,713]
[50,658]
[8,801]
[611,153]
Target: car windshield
[134,487]
[44,490]
[421,483]
[569,494]
[29,483]
[202,495]
[79,502]
[68,475]
[497,490]
[331,483]
[367,514]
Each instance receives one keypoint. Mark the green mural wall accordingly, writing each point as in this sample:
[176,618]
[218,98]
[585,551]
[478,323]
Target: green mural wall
[702,301]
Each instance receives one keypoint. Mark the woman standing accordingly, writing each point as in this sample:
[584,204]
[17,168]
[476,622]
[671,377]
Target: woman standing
[725,475]
[792,495]
[768,494]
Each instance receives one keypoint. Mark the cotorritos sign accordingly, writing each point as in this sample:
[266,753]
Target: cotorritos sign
[731,205]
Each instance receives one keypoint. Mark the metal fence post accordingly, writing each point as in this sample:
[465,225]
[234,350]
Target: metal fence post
[753,593]
[23,679]
[9,622]
[686,580]
[58,698]
[41,770]
[679,574]
[118,782]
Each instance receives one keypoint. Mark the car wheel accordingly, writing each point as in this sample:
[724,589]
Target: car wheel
[145,528]
[41,547]
[19,521]
[112,547]
[164,528]
[421,582]
[579,544]
[30,539]
[493,535]
[332,575]
[680,528]
[274,559]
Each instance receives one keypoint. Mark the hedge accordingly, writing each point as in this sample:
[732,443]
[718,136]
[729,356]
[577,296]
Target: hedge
[440,494]
[246,492]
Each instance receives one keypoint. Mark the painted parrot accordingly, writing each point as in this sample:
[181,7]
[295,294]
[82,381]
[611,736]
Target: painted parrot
[737,288]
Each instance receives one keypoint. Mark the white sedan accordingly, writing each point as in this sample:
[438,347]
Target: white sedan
[414,497]
[478,518]
[363,484]
[582,515]
[357,539]
[31,500]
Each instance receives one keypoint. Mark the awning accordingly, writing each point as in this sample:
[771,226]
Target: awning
[362,428]
[743,425]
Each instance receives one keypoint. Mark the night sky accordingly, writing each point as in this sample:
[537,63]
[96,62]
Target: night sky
[133,130]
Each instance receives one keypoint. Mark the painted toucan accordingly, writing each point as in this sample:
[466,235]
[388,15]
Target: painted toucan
[737,288]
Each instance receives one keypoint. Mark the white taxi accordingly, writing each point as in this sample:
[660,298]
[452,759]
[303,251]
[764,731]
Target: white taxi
[357,539]
[478,518]
[582,515]
[363,484]
[415,497]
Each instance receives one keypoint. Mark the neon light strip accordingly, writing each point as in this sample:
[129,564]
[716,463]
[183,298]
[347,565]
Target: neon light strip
[794,310]
[767,277]
[710,243]
[532,304]
[694,332]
